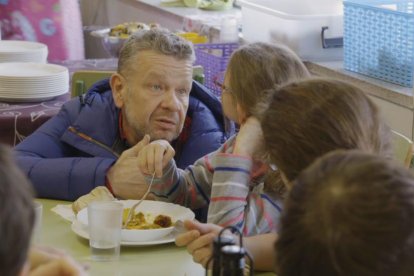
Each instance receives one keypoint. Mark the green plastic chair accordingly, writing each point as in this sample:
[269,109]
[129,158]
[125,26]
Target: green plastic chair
[82,80]
[403,148]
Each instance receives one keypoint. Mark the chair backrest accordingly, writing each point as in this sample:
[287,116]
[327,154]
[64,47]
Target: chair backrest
[403,148]
[83,80]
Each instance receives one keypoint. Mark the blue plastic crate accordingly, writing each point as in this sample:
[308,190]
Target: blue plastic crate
[379,39]
[214,59]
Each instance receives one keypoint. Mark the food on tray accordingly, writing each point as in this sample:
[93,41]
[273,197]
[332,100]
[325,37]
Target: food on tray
[141,221]
[124,30]
[100,193]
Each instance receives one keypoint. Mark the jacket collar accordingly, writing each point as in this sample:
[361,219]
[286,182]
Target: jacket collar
[96,128]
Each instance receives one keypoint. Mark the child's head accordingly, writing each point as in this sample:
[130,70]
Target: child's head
[16,215]
[309,118]
[254,68]
[349,213]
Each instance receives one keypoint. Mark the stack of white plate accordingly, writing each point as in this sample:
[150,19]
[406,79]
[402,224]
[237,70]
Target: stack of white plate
[22,51]
[28,82]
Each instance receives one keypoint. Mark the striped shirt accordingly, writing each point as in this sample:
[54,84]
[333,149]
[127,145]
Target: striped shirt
[231,185]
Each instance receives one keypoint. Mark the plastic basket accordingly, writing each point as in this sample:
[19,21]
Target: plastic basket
[214,59]
[379,39]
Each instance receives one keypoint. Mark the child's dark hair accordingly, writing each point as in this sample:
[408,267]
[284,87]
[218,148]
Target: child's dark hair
[306,119]
[16,215]
[349,213]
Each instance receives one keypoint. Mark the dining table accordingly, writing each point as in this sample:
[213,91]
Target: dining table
[20,119]
[163,259]
[155,260]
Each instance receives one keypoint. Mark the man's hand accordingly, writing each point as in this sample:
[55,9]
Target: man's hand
[199,240]
[125,177]
[154,157]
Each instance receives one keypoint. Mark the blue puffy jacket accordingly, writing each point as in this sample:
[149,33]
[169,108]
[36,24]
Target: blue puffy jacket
[70,154]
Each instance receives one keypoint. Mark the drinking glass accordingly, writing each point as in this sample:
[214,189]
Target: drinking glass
[37,227]
[105,222]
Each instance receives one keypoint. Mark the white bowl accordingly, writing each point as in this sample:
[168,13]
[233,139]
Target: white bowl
[112,44]
[176,212]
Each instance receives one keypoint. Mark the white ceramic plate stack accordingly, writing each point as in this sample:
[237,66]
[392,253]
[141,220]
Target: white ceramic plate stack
[22,51]
[31,82]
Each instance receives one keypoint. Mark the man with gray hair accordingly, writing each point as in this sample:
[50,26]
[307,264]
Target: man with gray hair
[94,139]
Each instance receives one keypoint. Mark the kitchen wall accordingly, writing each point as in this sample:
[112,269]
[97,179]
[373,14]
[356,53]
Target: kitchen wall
[94,16]
[107,13]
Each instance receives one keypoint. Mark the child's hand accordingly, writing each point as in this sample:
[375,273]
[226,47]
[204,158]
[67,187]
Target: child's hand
[249,139]
[50,261]
[199,240]
[62,266]
[39,255]
[155,156]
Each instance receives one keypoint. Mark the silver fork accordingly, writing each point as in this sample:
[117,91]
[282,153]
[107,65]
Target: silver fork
[132,209]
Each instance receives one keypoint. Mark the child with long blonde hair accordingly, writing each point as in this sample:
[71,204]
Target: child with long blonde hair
[301,122]
[228,181]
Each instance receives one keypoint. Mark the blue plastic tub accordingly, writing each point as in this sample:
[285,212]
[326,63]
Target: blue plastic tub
[379,39]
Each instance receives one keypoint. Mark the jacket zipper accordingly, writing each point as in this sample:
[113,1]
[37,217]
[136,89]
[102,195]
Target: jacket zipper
[90,139]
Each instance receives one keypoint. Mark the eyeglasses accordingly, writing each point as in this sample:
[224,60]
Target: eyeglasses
[219,84]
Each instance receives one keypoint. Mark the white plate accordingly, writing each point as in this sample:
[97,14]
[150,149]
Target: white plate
[21,96]
[32,82]
[152,208]
[82,231]
[15,59]
[31,95]
[9,70]
[17,46]
[25,84]
[13,99]
[33,92]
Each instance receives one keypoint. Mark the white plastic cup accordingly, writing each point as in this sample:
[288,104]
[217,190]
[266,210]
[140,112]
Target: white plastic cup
[37,227]
[229,30]
[105,223]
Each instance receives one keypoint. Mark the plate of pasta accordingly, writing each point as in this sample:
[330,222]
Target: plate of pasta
[114,38]
[153,222]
